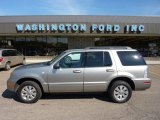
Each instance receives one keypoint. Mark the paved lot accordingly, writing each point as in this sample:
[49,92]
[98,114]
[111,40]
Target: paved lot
[144,105]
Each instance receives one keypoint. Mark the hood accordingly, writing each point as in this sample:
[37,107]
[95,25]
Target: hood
[35,65]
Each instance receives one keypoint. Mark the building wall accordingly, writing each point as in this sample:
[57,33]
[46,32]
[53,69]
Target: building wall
[151,29]
[80,42]
[152,24]
[42,42]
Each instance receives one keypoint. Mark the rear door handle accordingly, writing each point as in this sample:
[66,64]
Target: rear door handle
[76,71]
[109,70]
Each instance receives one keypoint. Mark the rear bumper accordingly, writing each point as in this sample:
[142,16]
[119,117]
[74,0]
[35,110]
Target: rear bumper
[142,83]
[2,65]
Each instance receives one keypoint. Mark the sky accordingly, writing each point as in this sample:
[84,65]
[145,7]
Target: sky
[80,7]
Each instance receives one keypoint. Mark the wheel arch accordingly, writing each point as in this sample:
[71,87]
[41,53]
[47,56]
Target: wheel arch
[125,79]
[20,81]
[8,61]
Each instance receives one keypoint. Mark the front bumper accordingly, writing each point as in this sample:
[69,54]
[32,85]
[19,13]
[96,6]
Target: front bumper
[142,83]
[11,86]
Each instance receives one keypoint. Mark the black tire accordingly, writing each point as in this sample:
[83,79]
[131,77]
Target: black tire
[7,66]
[32,84]
[113,94]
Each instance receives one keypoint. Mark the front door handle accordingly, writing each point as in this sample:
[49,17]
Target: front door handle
[109,70]
[76,71]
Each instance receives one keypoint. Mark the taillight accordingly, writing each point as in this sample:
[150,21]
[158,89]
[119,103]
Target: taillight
[146,73]
[1,59]
[147,82]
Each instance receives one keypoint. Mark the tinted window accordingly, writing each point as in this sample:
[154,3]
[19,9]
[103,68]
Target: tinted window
[107,59]
[12,52]
[130,58]
[5,53]
[94,59]
[18,53]
[9,53]
[73,60]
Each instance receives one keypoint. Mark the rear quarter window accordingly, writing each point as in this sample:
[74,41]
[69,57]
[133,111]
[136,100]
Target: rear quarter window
[5,53]
[131,58]
[107,59]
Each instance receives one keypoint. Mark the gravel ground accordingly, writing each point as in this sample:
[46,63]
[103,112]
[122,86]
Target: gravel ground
[144,105]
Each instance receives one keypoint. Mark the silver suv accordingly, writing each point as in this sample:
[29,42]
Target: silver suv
[10,57]
[115,70]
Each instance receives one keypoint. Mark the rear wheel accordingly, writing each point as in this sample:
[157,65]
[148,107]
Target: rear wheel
[120,92]
[7,66]
[29,92]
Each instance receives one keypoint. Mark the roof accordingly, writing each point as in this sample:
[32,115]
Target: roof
[110,47]
[79,18]
[6,49]
[103,48]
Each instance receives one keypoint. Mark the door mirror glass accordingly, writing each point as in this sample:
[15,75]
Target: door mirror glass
[56,66]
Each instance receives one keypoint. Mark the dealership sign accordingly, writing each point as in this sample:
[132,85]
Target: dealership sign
[77,28]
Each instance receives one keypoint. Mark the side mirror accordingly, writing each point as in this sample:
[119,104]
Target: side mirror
[56,66]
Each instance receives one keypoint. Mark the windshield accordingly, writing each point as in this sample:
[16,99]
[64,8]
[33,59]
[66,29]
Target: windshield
[55,58]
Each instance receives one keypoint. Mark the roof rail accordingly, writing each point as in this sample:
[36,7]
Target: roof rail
[109,47]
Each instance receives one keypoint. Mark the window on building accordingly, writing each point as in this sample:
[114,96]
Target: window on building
[20,44]
[3,42]
[56,45]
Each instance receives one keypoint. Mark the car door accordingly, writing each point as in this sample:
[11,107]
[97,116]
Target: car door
[99,69]
[68,76]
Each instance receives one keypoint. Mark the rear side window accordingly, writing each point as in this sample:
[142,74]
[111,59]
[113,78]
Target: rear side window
[12,52]
[130,58]
[94,59]
[9,53]
[5,53]
[98,59]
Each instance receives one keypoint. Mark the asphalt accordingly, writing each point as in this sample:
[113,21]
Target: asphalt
[144,105]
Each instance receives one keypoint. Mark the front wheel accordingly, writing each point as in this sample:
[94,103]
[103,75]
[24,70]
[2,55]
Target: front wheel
[29,92]
[120,92]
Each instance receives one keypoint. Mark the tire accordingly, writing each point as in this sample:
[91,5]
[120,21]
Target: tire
[29,92]
[7,66]
[120,92]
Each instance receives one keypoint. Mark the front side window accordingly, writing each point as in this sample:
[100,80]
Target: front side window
[72,60]
[18,53]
